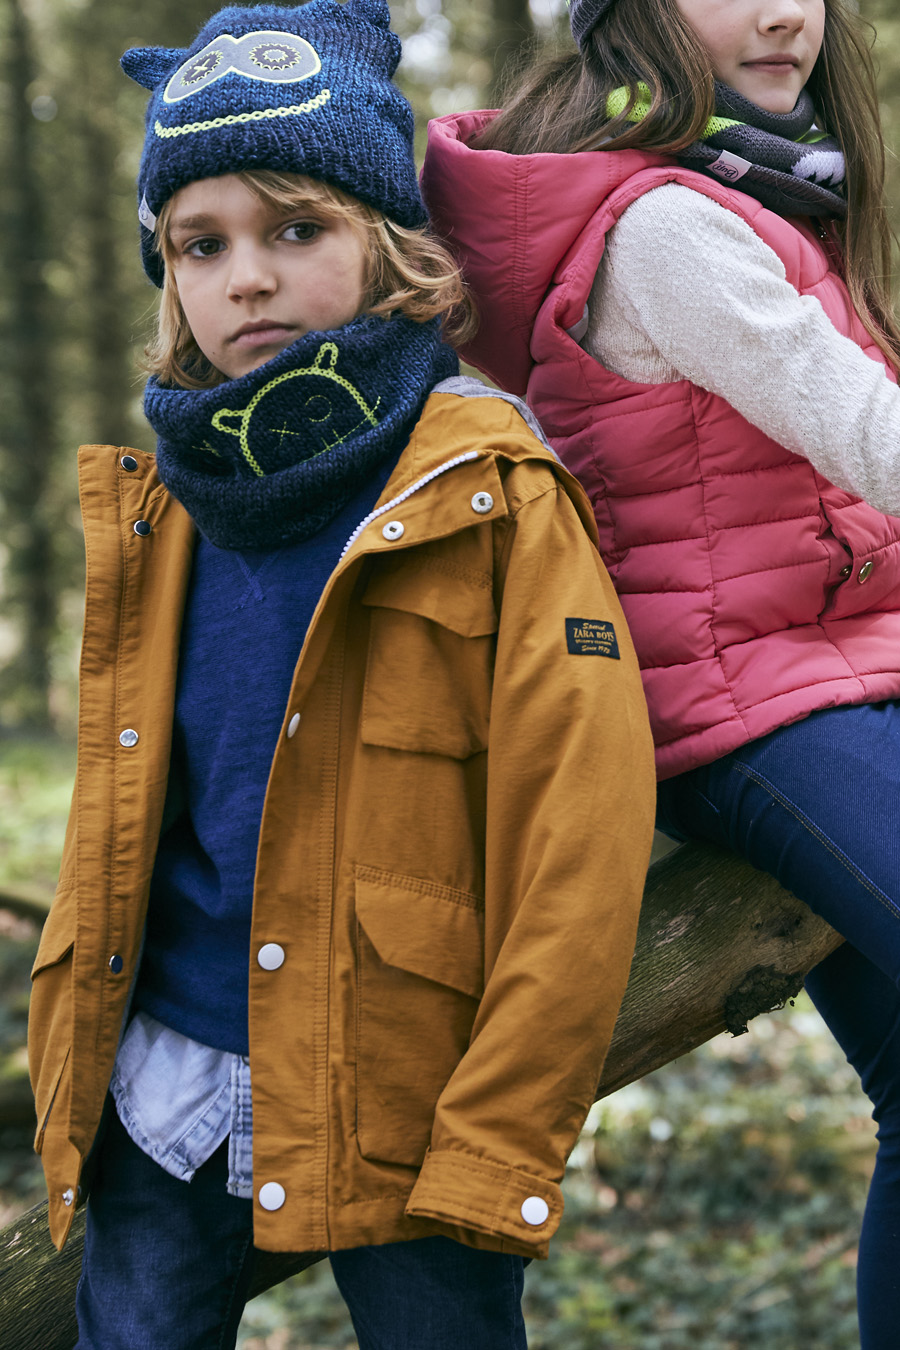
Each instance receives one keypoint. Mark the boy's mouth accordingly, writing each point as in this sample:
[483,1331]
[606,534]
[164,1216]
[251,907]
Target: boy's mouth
[260,333]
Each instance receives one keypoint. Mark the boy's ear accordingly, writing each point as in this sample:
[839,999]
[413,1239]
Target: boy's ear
[149,66]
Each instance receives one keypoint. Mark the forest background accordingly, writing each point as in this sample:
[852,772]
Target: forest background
[713,1206]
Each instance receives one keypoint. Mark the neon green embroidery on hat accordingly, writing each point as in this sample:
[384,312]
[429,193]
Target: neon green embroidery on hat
[324,366]
[234,119]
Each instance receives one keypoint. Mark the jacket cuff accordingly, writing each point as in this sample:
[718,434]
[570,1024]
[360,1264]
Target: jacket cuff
[462,1191]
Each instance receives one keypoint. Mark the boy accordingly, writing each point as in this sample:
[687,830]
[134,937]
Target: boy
[425,836]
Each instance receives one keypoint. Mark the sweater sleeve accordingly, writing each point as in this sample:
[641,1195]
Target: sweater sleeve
[687,290]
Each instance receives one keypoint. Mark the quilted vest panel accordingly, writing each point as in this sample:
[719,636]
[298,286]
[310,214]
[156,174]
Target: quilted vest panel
[743,573]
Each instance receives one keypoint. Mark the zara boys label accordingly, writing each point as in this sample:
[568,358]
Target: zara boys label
[591,637]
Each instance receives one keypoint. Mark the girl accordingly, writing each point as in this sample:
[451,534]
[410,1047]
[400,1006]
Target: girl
[335,928]
[677,242]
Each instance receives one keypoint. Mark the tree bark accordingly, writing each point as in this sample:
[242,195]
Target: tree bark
[718,943]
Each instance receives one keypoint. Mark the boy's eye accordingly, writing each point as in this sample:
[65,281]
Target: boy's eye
[204,248]
[303,231]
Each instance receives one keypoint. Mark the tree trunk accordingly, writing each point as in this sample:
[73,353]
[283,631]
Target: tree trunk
[718,943]
[26,423]
[512,30]
[109,367]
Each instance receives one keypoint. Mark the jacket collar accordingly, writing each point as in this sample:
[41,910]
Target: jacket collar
[463,429]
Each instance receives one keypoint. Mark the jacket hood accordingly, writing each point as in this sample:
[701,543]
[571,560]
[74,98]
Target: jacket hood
[515,222]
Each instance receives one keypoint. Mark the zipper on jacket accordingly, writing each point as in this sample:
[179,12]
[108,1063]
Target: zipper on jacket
[396,501]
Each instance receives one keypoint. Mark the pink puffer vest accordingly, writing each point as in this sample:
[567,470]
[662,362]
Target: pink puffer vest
[755,590]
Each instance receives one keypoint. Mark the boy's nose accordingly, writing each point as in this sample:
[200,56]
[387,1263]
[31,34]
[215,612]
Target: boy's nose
[250,273]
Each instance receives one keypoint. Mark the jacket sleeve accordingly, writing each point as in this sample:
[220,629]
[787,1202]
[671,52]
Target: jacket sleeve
[569,825]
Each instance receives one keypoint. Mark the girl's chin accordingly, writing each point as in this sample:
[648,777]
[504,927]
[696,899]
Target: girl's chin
[774,93]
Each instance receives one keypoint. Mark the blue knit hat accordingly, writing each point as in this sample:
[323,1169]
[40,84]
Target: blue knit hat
[301,89]
[584,15]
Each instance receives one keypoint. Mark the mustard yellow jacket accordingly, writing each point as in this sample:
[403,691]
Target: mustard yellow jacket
[451,857]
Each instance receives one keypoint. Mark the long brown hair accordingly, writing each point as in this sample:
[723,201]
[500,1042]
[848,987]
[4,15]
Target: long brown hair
[561,107]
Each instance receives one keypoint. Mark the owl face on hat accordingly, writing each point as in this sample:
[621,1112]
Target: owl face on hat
[304,89]
[267,57]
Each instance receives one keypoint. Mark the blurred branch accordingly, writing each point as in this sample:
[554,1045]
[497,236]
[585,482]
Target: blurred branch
[32,907]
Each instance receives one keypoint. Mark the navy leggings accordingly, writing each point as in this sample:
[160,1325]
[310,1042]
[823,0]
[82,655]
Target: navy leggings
[817,805]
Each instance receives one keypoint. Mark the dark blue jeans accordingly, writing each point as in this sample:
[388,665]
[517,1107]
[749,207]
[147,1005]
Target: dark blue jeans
[817,805]
[167,1266]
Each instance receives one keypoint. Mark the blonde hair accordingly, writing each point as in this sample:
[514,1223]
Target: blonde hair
[561,108]
[406,271]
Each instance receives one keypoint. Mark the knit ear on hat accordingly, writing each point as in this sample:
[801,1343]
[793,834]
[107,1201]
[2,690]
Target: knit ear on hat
[375,11]
[149,66]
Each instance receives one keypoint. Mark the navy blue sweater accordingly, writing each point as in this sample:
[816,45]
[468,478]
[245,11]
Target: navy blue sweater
[244,624]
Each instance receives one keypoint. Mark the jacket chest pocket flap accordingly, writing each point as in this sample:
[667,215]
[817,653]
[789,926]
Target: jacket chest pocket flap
[430,664]
[420,976]
[50,1009]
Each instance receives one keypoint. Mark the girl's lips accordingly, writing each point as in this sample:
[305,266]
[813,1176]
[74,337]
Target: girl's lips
[778,65]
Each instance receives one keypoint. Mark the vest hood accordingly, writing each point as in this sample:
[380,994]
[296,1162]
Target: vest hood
[515,222]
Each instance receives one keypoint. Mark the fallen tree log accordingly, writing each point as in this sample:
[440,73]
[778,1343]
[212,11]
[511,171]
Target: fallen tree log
[718,944]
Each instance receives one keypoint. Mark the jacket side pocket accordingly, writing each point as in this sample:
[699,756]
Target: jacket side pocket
[50,1010]
[420,977]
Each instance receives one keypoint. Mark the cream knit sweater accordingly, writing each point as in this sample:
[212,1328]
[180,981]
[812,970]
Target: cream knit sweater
[687,290]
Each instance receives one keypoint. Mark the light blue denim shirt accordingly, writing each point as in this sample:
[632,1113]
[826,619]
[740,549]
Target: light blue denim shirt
[179,1100]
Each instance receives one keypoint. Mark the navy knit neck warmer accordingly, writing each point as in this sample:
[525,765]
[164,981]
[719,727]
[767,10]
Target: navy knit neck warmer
[269,458]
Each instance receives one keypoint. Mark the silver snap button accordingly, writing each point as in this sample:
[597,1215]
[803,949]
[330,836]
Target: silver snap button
[68,1197]
[128,737]
[128,463]
[293,724]
[272,1196]
[270,956]
[535,1211]
[865,572]
[845,571]
[142,527]
[393,529]
[482,502]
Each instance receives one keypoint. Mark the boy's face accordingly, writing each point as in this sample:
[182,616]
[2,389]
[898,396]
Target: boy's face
[252,279]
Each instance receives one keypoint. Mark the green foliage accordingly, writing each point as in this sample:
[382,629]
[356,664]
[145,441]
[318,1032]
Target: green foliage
[35,790]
